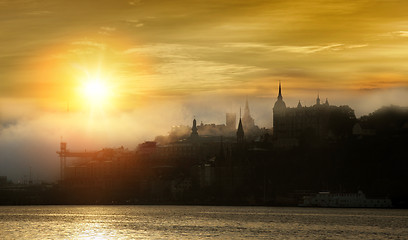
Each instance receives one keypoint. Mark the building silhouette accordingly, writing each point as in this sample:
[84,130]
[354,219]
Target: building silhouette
[247,121]
[317,122]
[194,130]
[320,147]
[240,132]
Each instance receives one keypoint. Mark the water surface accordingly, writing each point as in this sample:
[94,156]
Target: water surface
[200,222]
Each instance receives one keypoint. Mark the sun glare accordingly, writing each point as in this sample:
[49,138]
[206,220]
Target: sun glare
[95,91]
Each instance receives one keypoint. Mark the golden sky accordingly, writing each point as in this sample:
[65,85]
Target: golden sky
[163,62]
[172,49]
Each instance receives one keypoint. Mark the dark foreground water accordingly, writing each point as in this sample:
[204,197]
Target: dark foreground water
[200,222]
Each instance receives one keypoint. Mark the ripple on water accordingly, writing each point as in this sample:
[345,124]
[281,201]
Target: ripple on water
[199,222]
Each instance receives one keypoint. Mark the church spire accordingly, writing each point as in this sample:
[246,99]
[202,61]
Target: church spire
[280,91]
[318,99]
[247,120]
[240,132]
[279,104]
[246,111]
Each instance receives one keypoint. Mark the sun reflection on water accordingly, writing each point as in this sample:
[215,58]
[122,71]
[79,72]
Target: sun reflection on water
[195,222]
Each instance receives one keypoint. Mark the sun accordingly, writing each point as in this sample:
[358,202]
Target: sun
[95,91]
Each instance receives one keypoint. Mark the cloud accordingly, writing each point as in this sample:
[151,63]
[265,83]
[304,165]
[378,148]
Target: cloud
[134,23]
[307,49]
[357,46]
[90,43]
[399,33]
[39,13]
[185,67]
[134,2]
[106,30]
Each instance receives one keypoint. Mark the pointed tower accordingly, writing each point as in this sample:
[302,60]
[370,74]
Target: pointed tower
[247,120]
[246,111]
[279,110]
[194,129]
[240,131]
[280,92]
[279,104]
[318,99]
[299,105]
[327,102]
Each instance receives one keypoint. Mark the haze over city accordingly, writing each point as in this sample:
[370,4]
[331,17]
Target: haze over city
[117,73]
